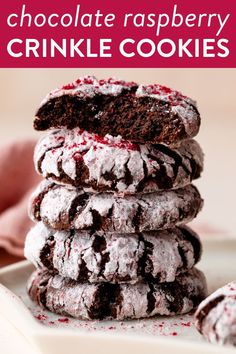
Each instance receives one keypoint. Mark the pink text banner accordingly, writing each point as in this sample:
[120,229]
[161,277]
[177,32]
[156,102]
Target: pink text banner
[112,33]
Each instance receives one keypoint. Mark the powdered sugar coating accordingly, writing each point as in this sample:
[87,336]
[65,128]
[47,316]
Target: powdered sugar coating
[117,301]
[113,164]
[215,317]
[89,86]
[63,207]
[114,258]
[180,104]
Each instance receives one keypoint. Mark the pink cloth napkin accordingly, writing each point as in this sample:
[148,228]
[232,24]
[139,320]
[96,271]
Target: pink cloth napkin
[17,180]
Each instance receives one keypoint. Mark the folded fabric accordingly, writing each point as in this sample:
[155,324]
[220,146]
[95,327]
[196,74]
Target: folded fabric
[17,179]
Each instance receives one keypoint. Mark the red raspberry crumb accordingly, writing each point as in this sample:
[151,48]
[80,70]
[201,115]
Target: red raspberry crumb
[72,146]
[88,80]
[63,320]
[68,86]
[100,139]
[166,89]
[102,82]
[186,324]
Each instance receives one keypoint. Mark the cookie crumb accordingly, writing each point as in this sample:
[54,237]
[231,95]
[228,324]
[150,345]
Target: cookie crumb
[63,320]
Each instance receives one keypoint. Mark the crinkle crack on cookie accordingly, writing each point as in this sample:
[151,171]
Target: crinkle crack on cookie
[139,113]
[78,158]
[62,207]
[115,258]
[117,301]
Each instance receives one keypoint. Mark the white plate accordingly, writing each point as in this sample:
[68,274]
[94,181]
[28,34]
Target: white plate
[57,335]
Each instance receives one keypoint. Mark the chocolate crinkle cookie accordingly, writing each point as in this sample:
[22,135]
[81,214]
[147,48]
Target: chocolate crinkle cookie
[78,158]
[62,207]
[115,258]
[117,301]
[215,317]
[139,113]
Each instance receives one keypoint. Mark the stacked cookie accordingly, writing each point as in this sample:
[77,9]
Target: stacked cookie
[110,240]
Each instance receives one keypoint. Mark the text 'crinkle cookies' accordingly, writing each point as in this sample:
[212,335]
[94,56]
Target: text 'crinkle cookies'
[111,240]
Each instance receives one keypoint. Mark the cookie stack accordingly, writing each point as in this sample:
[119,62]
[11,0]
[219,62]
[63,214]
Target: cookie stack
[110,240]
